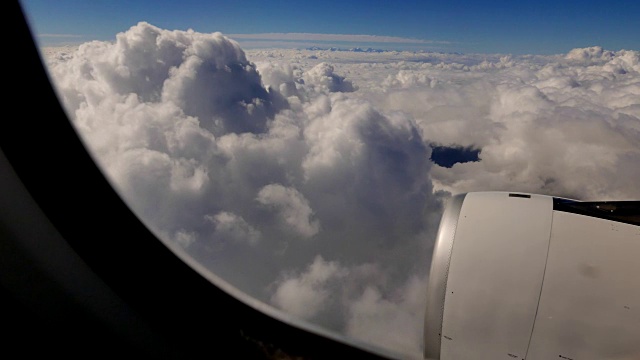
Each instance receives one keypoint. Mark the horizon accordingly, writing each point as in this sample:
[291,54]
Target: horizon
[537,28]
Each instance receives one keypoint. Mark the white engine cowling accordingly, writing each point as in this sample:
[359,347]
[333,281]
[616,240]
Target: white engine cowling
[520,276]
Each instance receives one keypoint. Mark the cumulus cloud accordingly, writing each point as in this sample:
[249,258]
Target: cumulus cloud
[237,157]
[292,207]
[306,294]
[590,54]
[530,117]
[323,76]
[204,75]
[391,321]
[555,129]
[184,238]
[234,227]
[285,78]
[376,309]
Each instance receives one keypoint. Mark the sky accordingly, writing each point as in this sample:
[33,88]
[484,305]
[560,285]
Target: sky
[513,27]
[314,180]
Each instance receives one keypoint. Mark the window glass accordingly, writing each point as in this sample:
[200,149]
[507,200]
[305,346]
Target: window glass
[304,154]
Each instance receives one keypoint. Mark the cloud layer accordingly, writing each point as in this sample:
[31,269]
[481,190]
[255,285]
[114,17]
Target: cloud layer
[303,177]
[331,37]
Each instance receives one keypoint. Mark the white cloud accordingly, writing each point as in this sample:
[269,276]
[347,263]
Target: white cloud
[394,322]
[376,310]
[238,156]
[323,76]
[234,227]
[185,238]
[333,37]
[292,207]
[306,294]
[590,54]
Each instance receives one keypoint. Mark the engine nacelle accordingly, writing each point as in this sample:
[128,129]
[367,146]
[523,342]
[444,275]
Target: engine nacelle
[519,276]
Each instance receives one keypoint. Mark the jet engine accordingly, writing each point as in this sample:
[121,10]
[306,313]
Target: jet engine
[523,276]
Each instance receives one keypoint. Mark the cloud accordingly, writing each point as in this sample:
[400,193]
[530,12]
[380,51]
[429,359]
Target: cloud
[333,37]
[376,310]
[232,226]
[314,166]
[292,207]
[393,321]
[305,295]
[205,76]
[590,54]
[184,238]
[530,116]
[323,76]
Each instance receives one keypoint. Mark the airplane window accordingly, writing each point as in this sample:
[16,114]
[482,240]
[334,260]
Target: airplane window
[304,154]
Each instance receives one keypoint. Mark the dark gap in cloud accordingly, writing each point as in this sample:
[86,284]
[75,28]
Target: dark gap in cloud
[447,156]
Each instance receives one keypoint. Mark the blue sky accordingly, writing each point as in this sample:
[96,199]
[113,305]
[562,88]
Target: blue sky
[518,27]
